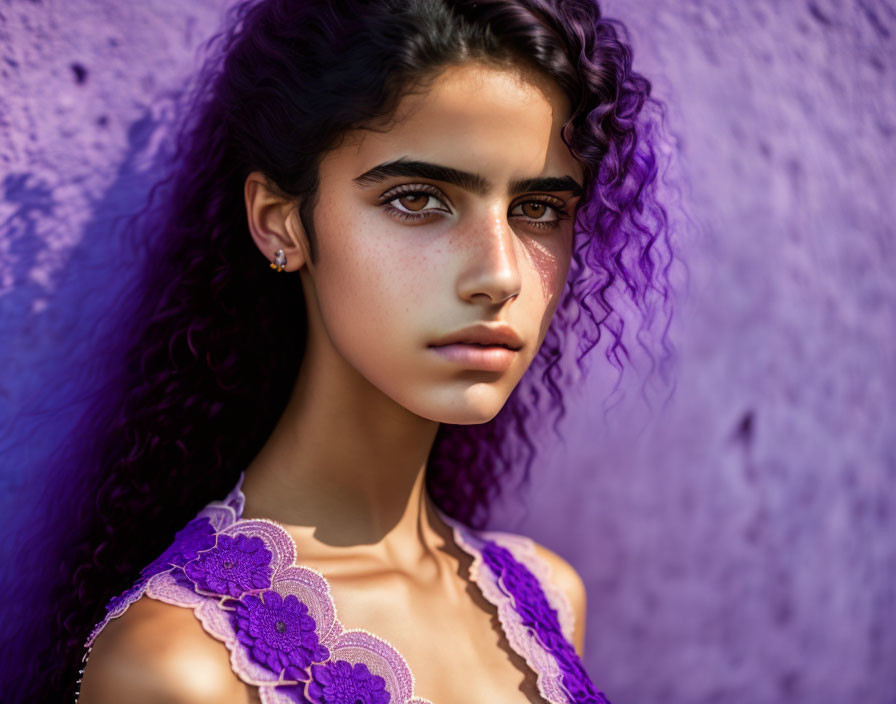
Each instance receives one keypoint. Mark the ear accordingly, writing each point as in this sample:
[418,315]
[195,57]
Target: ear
[274,222]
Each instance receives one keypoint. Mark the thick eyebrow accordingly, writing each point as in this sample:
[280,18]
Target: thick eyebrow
[464,179]
[546,183]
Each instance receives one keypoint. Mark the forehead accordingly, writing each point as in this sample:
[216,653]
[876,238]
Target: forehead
[502,123]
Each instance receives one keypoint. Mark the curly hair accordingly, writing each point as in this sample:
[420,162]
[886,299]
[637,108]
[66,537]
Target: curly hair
[198,372]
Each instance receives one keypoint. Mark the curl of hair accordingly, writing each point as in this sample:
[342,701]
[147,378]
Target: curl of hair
[205,356]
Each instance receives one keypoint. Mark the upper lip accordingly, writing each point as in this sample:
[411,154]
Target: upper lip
[499,334]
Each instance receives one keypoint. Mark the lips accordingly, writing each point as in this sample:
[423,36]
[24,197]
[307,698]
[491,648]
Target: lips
[483,335]
[483,347]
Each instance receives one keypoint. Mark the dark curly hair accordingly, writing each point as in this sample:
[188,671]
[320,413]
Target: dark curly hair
[197,373]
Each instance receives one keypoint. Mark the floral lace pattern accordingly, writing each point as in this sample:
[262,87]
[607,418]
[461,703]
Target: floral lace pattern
[278,619]
[233,566]
[538,615]
[340,682]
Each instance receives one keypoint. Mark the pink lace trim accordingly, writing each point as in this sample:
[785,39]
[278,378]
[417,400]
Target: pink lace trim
[353,645]
[521,638]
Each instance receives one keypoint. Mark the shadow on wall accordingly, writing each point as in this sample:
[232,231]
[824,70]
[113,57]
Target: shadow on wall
[49,340]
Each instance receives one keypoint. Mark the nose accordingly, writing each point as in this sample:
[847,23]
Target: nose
[490,273]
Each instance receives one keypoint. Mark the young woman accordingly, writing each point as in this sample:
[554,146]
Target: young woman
[386,226]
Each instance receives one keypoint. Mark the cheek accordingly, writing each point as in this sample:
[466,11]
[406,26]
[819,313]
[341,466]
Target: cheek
[549,261]
[370,282]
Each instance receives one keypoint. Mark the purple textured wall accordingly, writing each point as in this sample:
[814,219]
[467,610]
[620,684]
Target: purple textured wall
[741,548]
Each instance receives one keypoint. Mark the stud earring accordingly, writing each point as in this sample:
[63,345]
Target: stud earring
[279,261]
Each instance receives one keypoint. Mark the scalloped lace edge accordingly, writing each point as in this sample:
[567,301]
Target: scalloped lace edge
[544,572]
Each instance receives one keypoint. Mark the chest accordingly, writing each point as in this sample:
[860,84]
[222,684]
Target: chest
[455,648]
[451,637]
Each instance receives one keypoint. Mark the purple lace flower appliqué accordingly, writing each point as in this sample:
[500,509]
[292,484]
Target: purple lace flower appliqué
[234,566]
[278,632]
[536,613]
[197,535]
[340,682]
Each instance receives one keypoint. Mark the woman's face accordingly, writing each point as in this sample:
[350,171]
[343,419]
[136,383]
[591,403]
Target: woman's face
[459,215]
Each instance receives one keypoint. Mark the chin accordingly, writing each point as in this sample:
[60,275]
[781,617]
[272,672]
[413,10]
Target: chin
[473,406]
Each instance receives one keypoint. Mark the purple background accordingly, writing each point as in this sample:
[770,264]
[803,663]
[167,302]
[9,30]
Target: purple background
[741,547]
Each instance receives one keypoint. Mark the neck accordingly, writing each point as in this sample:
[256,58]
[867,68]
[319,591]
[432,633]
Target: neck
[345,466]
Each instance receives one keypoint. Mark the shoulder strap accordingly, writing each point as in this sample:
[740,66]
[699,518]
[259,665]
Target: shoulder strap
[522,550]
[536,616]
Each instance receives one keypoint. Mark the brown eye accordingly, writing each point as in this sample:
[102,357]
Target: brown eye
[533,209]
[534,212]
[414,201]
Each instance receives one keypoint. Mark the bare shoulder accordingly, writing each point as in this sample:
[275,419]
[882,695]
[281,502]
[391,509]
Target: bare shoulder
[156,652]
[566,578]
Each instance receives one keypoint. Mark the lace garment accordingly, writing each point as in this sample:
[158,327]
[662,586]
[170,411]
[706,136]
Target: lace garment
[242,579]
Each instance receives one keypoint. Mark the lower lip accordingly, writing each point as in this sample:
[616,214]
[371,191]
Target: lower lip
[490,359]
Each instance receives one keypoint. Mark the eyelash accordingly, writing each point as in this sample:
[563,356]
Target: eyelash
[421,189]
